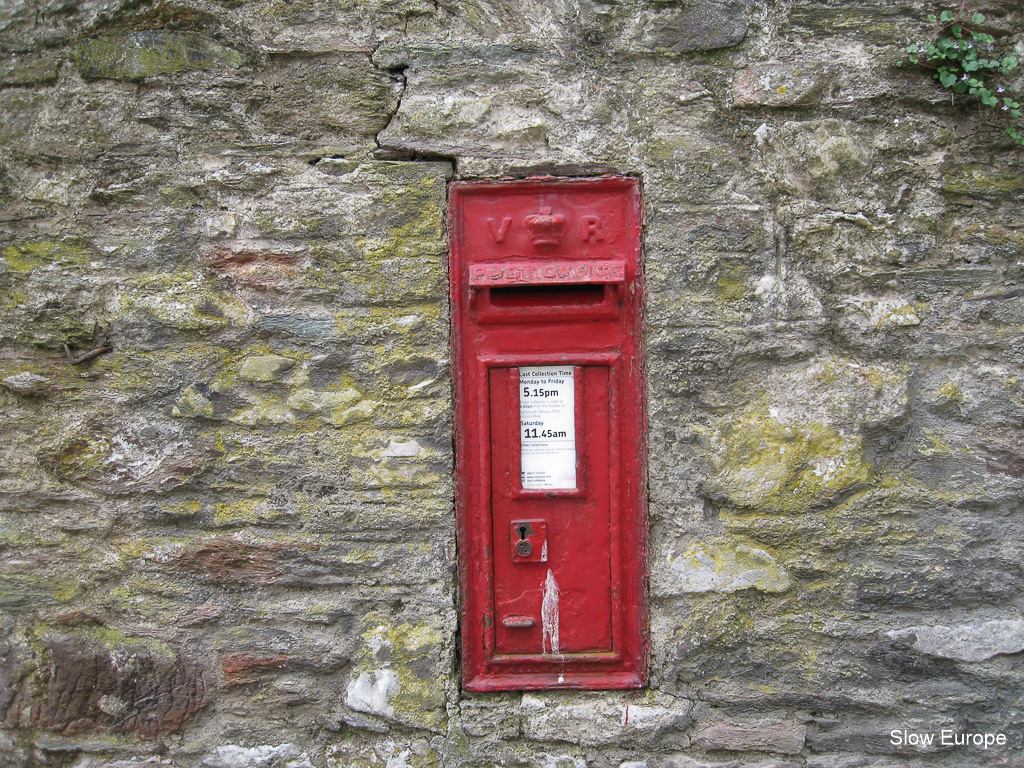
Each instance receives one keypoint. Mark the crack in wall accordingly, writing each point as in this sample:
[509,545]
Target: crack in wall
[398,76]
[386,151]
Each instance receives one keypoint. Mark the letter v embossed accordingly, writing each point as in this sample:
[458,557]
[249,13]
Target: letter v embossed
[499,231]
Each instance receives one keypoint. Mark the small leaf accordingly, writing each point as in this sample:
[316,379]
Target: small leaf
[960,87]
[978,18]
[946,16]
[1009,63]
[957,30]
[947,78]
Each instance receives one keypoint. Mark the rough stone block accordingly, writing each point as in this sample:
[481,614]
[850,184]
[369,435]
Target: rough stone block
[328,97]
[491,716]
[971,642]
[781,84]
[415,753]
[102,679]
[602,719]
[785,738]
[144,455]
[261,756]
[28,70]
[400,664]
[878,24]
[30,590]
[229,560]
[674,29]
[137,55]
[722,567]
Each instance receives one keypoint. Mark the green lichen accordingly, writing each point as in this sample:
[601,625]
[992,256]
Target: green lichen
[711,624]
[112,640]
[764,463]
[182,509]
[731,282]
[264,411]
[69,253]
[950,392]
[933,443]
[983,182]
[264,368]
[82,455]
[23,590]
[416,652]
[728,567]
[140,54]
[238,511]
[403,262]
[184,300]
[192,403]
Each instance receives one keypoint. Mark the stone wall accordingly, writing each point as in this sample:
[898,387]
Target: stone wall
[228,537]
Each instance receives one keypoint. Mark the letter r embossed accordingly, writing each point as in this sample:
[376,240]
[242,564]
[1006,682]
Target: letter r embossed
[590,229]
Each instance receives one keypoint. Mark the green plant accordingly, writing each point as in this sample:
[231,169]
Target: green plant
[969,60]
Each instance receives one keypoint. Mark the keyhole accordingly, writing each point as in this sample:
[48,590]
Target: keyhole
[522,546]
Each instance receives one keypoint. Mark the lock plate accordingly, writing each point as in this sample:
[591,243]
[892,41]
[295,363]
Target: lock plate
[529,541]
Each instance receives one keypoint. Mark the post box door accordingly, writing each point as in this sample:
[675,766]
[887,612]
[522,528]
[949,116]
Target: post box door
[561,601]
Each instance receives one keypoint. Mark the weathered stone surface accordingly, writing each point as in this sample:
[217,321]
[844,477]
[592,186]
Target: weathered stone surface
[491,716]
[139,457]
[597,719]
[669,28]
[792,452]
[399,666]
[781,84]
[726,568]
[136,55]
[247,201]
[103,679]
[28,70]
[972,642]
[412,754]
[227,560]
[26,382]
[327,97]
[786,738]
[262,756]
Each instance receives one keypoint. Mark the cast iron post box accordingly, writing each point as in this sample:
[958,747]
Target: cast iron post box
[547,298]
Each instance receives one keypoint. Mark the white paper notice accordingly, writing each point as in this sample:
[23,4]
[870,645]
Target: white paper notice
[547,428]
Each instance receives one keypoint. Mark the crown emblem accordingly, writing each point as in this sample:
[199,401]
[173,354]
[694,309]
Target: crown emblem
[545,228]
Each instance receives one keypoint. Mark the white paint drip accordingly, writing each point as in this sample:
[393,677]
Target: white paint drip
[549,615]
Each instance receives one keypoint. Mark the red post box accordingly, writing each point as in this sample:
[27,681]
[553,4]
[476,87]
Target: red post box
[547,299]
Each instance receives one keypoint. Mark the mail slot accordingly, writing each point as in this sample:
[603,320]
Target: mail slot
[547,300]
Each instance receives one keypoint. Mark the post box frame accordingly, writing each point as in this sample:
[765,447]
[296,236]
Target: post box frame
[474,317]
